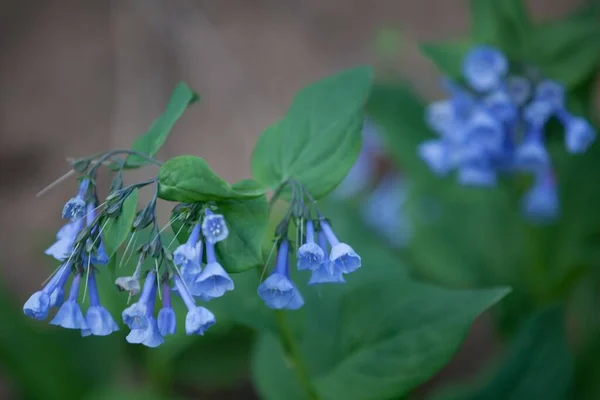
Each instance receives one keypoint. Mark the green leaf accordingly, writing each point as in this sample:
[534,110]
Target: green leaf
[150,142]
[539,364]
[320,137]
[117,229]
[189,179]
[448,55]
[376,341]
[247,222]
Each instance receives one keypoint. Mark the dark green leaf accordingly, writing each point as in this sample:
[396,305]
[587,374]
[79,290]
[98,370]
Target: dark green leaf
[319,139]
[117,229]
[448,55]
[189,179]
[150,142]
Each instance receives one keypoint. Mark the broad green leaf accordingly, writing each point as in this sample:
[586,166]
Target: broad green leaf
[377,341]
[539,364]
[247,222]
[117,229]
[448,55]
[319,139]
[150,142]
[189,179]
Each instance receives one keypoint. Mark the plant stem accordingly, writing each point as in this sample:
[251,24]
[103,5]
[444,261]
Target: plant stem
[290,348]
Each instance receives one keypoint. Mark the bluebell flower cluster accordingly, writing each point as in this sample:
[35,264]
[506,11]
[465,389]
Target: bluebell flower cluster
[495,123]
[322,254]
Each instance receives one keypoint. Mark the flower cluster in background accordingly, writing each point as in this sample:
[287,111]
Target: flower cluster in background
[495,122]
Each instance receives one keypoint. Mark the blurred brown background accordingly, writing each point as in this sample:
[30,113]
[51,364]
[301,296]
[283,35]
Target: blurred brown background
[78,77]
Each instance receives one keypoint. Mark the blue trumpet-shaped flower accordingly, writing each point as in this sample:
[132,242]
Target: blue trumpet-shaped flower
[551,93]
[58,294]
[136,315]
[214,227]
[310,255]
[531,155]
[98,257]
[325,273]
[342,256]
[149,335]
[99,320]
[278,291]
[579,134]
[39,303]
[484,68]
[65,238]
[214,281]
[69,315]
[198,319]
[74,209]
[541,203]
[166,321]
[188,255]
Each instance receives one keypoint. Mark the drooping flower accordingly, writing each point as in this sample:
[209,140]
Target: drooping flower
[214,227]
[98,257]
[551,93]
[214,281]
[136,315]
[148,335]
[579,134]
[74,209]
[343,257]
[541,203]
[198,319]
[58,294]
[310,255]
[278,291]
[186,256]
[437,154]
[166,321]
[531,155]
[325,273]
[99,320]
[38,304]
[65,238]
[69,315]
[484,68]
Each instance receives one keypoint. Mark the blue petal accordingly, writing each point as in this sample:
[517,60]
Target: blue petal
[440,116]
[326,274]
[501,106]
[74,209]
[135,316]
[198,320]
[579,135]
[471,175]
[310,256]
[185,256]
[213,281]
[532,155]
[70,316]
[551,93]
[278,292]
[100,322]
[129,284]
[435,155]
[541,204]
[484,68]
[214,228]
[519,89]
[60,249]
[485,131]
[150,336]
[167,322]
[344,258]
[57,296]
[37,305]
[537,113]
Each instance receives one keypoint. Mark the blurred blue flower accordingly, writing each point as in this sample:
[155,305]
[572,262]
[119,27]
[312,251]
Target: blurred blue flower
[484,68]
[579,134]
[518,89]
[69,314]
[278,291]
[531,154]
[541,203]
[552,93]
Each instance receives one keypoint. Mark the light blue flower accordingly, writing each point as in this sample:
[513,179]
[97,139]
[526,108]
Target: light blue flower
[485,132]
[166,321]
[501,106]
[342,256]
[531,155]
[214,227]
[69,314]
[325,273]
[38,304]
[310,255]
[440,116]
[198,319]
[57,296]
[74,209]
[551,93]
[537,113]
[214,281]
[484,68]
[579,134]
[519,89]
[136,315]
[436,154]
[98,257]
[278,291]
[541,203]
[149,336]
[188,255]
[479,175]
[65,238]
[99,320]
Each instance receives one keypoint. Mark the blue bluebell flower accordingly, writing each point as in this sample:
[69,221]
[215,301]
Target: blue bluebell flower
[310,255]
[166,321]
[541,203]
[579,134]
[100,256]
[38,304]
[325,273]
[214,281]
[484,68]
[518,89]
[437,154]
[186,256]
[537,113]
[198,319]
[136,315]
[129,284]
[99,320]
[531,155]
[278,291]
[342,256]
[214,227]
[69,315]
[58,294]
[149,335]
[440,116]
[552,93]
[500,105]
[463,104]
[484,132]
[65,238]
[74,209]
